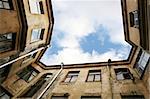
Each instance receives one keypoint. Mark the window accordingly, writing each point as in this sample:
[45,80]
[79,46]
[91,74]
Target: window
[37,85]
[133,97]
[90,97]
[94,75]
[142,61]
[37,34]
[4,60]
[59,97]
[72,76]
[123,73]
[6,4]
[4,94]
[29,57]
[28,73]
[134,20]
[36,7]
[7,42]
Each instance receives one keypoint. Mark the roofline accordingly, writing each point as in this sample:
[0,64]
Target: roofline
[94,64]
[113,63]
[51,20]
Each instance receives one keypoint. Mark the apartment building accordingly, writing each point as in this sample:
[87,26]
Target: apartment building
[25,30]
[126,79]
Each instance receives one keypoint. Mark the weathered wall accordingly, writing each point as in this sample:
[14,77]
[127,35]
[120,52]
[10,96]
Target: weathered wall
[36,21]
[103,88]
[10,23]
[132,5]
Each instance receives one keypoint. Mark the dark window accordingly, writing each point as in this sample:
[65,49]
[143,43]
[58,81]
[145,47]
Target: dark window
[28,73]
[59,97]
[37,85]
[4,60]
[90,97]
[134,20]
[36,7]
[29,57]
[123,73]
[7,42]
[94,75]
[6,4]
[41,7]
[133,97]
[142,61]
[37,34]
[72,76]
[4,94]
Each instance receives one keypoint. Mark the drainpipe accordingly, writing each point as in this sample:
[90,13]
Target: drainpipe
[41,94]
[12,61]
[110,77]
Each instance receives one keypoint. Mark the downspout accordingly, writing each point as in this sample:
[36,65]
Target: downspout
[110,77]
[12,61]
[54,78]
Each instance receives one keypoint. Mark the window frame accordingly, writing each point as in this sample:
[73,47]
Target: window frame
[123,71]
[29,57]
[90,97]
[132,96]
[136,65]
[38,85]
[9,2]
[40,35]
[94,75]
[73,74]
[63,97]
[27,71]
[11,41]
[39,7]
[134,19]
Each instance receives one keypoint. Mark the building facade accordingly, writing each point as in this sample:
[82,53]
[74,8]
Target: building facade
[28,78]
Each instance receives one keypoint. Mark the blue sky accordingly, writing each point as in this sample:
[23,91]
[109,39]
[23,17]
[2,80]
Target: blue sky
[86,31]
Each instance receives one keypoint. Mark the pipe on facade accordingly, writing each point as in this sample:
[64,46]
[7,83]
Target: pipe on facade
[12,61]
[110,76]
[54,78]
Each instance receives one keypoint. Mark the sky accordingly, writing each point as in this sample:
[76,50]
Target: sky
[86,31]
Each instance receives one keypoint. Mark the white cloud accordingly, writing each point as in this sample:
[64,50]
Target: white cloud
[77,19]
[76,55]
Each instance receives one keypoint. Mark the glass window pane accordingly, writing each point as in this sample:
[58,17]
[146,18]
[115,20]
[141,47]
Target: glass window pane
[30,78]
[97,78]
[94,73]
[4,0]
[34,6]
[1,5]
[90,78]
[74,78]
[6,5]
[38,7]
[67,79]
[4,60]
[34,73]
[35,35]
[120,76]
[146,56]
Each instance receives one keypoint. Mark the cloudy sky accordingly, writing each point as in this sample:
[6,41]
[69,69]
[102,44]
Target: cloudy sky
[86,31]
